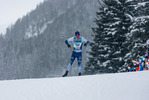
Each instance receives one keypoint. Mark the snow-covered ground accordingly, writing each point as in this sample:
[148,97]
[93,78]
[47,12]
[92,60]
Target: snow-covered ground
[121,86]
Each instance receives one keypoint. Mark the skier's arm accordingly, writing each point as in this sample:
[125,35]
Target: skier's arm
[68,40]
[86,41]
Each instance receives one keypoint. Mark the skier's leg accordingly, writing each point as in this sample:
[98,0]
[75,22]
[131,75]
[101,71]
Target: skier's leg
[69,66]
[79,58]
[71,62]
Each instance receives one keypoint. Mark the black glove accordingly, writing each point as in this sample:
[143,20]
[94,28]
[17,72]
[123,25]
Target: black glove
[85,44]
[69,46]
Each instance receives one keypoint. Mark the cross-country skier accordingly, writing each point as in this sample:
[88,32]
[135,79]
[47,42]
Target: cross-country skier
[78,42]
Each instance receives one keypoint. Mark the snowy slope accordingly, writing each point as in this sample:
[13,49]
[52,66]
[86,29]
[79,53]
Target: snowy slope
[122,86]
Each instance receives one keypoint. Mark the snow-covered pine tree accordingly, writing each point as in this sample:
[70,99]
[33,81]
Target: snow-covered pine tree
[108,48]
[139,30]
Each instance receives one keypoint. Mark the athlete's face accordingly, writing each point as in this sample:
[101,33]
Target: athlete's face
[77,36]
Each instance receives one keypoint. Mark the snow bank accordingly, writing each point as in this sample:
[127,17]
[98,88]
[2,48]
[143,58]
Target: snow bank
[122,86]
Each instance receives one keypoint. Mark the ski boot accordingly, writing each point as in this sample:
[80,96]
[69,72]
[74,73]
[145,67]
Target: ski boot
[65,74]
[79,74]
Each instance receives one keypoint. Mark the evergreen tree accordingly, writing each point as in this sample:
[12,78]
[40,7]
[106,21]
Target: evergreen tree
[108,48]
[139,31]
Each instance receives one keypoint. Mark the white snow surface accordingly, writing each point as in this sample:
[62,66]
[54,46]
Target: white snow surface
[120,86]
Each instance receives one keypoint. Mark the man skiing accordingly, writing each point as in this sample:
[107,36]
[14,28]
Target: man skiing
[78,42]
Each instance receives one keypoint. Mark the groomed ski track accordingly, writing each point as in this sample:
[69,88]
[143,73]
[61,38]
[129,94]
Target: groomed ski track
[119,86]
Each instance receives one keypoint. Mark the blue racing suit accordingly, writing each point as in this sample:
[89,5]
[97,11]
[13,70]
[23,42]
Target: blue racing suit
[77,50]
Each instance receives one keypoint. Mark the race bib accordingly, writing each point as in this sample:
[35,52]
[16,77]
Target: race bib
[77,45]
